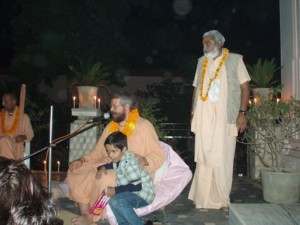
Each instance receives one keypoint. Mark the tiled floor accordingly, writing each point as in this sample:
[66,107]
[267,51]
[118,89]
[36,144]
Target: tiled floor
[182,210]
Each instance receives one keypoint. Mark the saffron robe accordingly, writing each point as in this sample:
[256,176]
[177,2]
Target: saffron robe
[82,182]
[8,147]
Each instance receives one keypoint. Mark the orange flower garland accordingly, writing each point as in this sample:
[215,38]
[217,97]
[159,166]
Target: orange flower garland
[129,125]
[204,68]
[13,128]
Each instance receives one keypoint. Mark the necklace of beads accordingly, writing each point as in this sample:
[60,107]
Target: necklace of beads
[204,68]
[14,125]
[129,125]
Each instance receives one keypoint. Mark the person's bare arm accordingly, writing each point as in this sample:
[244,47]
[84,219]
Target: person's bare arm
[241,121]
[193,100]
[20,138]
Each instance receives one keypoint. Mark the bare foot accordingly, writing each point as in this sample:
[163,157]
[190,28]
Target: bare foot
[82,220]
[224,209]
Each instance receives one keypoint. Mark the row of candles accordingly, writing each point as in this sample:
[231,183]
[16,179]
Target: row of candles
[256,100]
[45,165]
[97,102]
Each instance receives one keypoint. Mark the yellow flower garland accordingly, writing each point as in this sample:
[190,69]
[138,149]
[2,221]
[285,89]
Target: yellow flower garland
[129,125]
[204,68]
[13,128]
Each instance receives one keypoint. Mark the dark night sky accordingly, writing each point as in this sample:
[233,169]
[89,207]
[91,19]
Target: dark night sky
[251,28]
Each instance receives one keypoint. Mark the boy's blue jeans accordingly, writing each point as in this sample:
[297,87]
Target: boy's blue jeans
[122,205]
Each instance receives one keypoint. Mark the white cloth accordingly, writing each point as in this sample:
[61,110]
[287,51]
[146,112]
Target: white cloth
[215,140]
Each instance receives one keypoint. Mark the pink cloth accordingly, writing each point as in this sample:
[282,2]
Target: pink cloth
[167,189]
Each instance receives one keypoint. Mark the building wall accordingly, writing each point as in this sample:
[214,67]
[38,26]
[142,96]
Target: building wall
[290,62]
[290,47]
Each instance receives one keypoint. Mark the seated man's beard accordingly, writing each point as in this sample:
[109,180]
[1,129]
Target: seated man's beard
[213,53]
[119,117]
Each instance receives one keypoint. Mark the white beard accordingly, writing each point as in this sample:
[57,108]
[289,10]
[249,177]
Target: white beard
[212,54]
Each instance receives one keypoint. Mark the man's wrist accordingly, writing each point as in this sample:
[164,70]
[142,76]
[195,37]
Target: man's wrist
[100,167]
[244,112]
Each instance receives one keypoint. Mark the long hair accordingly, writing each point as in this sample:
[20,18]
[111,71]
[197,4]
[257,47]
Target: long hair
[23,198]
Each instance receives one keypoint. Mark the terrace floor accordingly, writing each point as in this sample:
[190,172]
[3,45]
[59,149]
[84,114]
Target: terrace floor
[247,208]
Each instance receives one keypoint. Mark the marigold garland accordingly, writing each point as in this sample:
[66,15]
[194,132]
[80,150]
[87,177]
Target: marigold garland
[204,68]
[129,125]
[14,125]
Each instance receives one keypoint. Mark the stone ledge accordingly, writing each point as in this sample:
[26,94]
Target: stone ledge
[291,162]
[260,214]
[86,112]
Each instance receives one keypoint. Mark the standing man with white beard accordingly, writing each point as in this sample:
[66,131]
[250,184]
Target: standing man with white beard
[219,112]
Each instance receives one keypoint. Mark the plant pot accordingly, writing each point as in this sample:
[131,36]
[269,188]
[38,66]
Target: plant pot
[261,93]
[87,96]
[280,187]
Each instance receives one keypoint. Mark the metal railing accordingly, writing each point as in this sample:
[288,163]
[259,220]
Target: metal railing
[179,132]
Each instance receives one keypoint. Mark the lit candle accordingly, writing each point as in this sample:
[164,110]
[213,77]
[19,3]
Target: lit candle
[58,166]
[99,103]
[45,164]
[250,102]
[74,101]
[278,100]
[95,101]
[255,100]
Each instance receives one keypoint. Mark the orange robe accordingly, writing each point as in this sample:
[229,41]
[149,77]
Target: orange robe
[85,188]
[8,147]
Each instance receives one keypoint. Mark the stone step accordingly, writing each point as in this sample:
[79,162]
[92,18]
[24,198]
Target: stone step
[264,214]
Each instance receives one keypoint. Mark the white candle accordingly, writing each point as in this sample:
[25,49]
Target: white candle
[45,164]
[58,166]
[250,102]
[278,100]
[74,101]
[95,101]
[99,103]
[255,100]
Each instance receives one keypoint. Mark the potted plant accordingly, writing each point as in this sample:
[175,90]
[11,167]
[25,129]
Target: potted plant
[272,124]
[262,75]
[89,77]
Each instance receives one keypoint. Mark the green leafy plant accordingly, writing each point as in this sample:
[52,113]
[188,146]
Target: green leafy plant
[149,111]
[89,72]
[272,124]
[262,73]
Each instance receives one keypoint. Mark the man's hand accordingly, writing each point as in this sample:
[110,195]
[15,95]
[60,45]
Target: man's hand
[142,160]
[241,122]
[20,138]
[77,163]
[111,191]
[100,171]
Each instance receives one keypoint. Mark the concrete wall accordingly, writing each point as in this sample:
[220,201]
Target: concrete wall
[290,47]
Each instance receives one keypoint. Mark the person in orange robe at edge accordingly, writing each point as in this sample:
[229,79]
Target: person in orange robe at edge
[15,128]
